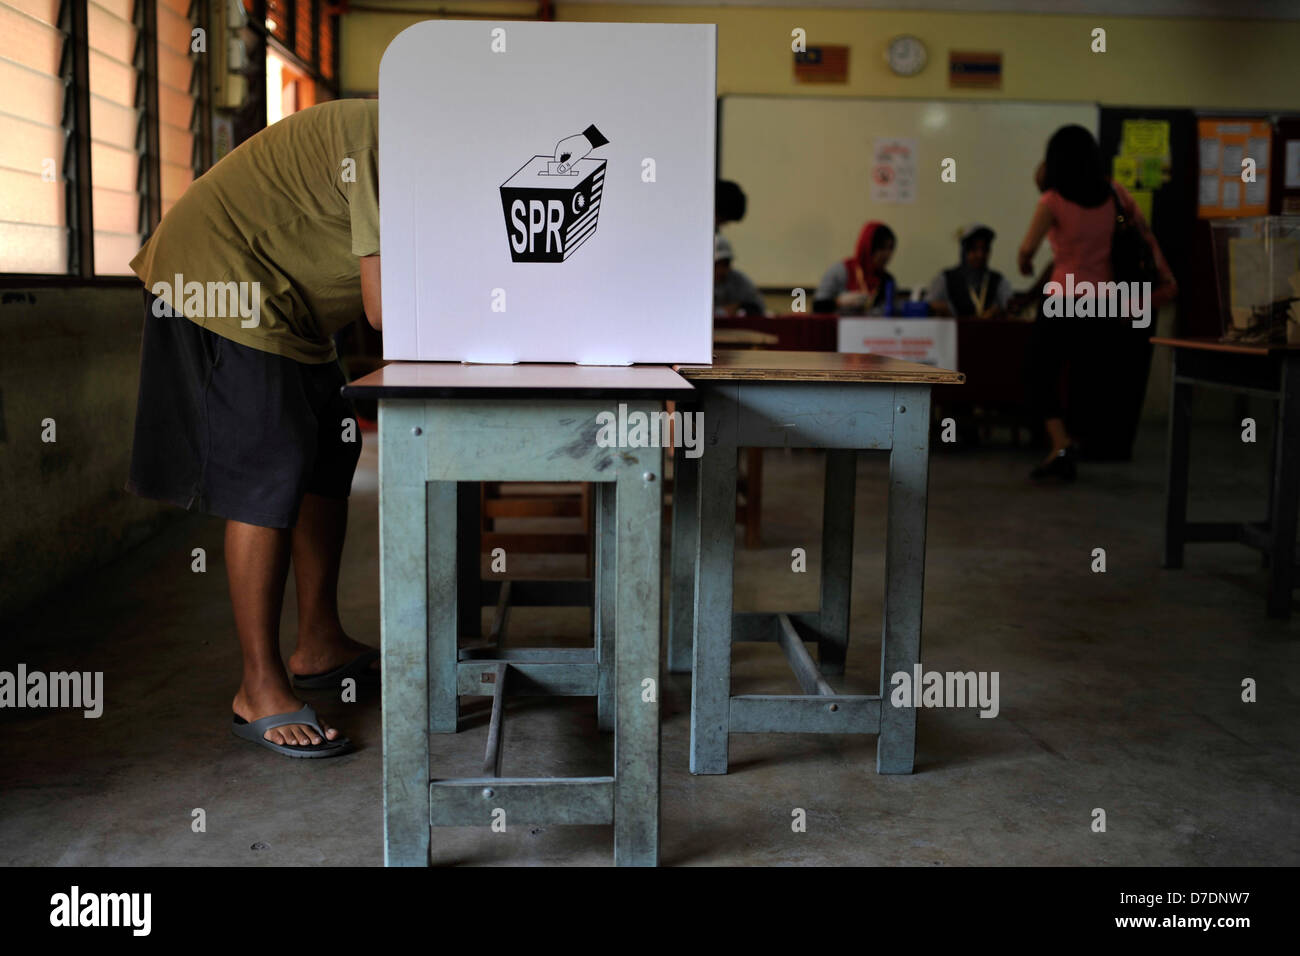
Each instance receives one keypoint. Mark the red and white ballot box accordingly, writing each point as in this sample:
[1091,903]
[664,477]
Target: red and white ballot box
[927,341]
[546,192]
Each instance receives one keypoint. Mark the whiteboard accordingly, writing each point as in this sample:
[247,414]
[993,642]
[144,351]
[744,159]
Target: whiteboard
[805,164]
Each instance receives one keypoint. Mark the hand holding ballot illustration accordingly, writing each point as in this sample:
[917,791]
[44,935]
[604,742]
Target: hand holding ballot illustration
[573,148]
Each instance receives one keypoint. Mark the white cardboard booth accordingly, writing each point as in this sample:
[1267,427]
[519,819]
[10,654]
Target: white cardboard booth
[546,192]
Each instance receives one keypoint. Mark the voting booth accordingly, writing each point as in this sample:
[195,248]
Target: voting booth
[546,192]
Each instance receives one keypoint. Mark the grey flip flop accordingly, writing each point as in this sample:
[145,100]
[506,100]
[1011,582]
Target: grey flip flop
[358,667]
[256,732]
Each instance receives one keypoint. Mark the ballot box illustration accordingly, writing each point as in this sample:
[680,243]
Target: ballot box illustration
[547,192]
[552,207]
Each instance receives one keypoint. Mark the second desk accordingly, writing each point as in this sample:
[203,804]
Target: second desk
[840,402]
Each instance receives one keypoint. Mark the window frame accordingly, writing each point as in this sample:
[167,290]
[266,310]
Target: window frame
[75,120]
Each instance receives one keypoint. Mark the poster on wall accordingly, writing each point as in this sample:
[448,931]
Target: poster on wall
[893,171]
[1142,164]
[1234,167]
[540,202]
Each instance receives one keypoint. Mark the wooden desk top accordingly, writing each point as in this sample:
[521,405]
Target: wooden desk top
[419,380]
[1213,345]
[772,366]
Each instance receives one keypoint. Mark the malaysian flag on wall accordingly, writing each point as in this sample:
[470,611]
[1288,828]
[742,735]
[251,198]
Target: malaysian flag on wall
[822,64]
[980,70]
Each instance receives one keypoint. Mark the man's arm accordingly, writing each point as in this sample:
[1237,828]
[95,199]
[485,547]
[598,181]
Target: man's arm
[370,290]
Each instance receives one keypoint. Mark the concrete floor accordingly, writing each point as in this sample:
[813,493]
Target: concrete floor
[1118,690]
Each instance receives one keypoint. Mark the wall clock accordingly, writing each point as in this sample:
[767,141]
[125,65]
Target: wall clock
[906,55]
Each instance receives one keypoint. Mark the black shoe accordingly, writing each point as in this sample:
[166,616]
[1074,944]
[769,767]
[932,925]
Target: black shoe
[1064,465]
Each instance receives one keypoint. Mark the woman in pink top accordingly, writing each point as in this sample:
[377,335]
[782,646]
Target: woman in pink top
[1076,213]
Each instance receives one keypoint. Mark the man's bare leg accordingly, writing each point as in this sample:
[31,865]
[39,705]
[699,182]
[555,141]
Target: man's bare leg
[1059,437]
[317,553]
[257,561]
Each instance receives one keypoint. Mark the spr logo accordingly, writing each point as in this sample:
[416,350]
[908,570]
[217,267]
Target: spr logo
[552,203]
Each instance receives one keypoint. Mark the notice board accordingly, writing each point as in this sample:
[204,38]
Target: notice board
[1224,145]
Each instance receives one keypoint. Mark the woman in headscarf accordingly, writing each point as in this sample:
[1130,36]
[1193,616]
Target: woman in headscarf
[971,289]
[859,283]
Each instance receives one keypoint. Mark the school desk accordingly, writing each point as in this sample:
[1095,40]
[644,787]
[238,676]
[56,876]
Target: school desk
[840,402]
[444,423]
[1254,369]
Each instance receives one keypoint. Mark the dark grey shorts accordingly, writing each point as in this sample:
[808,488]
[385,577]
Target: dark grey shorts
[235,432]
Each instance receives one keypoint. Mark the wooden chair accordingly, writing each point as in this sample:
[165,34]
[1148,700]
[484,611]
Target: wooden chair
[544,501]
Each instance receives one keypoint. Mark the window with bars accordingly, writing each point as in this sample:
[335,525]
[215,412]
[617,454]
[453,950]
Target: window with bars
[279,20]
[303,34]
[117,137]
[307,29]
[329,26]
[177,101]
[106,118]
[300,65]
[33,200]
[102,120]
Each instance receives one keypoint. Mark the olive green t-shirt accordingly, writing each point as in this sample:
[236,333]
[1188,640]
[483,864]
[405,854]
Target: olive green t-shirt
[291,209]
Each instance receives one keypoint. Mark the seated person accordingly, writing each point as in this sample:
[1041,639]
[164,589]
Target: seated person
[729,203]
[733,293]
[972,289]
[859,283]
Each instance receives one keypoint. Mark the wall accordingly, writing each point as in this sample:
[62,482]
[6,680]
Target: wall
[1150,61]
[71,355]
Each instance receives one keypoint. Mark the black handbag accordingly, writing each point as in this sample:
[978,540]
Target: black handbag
[1131,257]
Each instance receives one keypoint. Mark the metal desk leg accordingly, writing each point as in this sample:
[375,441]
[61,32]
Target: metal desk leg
[1286,488]
[711,686]
[403,552]
[636,670]
[681,596]
[1274,453]
[469,596]
[444,620]
[837,559]
[909,469]
[1176,481]
[605,594]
